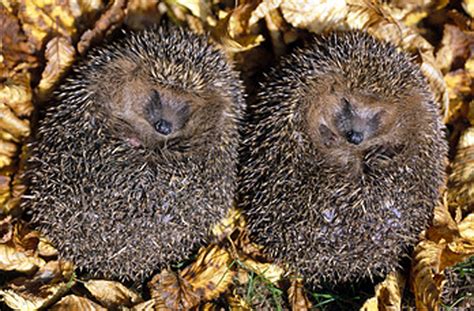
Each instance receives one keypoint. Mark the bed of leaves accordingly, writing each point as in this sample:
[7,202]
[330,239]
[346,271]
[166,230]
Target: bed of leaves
[41,39]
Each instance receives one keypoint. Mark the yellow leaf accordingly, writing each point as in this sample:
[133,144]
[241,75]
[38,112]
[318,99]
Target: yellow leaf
[314,15]
[112,294]
[297,296]
[468,5]
[210,274]
[264,9]
[11,123]
[16,93]
[225,226]
[388,294]
[14,260]
[73,302]
[45,248]
[42,18]
[59,56]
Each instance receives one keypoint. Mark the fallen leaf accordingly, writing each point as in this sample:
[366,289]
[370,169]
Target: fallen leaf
[73,302]
[297,296]
[210,274]
[108,21]
[11,123]
[112,294]
[388,294]
[142,14]
[15,48]
[14,260]
[173,292]
[42,18]
[59,56]
[314,15]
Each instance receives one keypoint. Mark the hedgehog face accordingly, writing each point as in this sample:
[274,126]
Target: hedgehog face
[349,126]
[166,114]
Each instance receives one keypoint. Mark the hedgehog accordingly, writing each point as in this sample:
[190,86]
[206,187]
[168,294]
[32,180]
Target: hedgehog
[343,160]
[136,159]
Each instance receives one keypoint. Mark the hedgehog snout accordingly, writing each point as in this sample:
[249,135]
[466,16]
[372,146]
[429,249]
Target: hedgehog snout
[355,137]
[164,127]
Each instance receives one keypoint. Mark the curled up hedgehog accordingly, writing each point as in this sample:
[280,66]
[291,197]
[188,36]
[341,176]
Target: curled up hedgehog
[136,159]
[343,160]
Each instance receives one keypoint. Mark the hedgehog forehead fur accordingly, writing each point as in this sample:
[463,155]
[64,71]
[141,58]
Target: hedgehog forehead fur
[136,160]
[343,159]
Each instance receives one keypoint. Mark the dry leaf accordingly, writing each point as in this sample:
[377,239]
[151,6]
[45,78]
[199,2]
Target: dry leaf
[210,274]
[456,47]
[199,8]
[45,249]
[11,123]
[42,18]
[112,294]
[73,302]
[171,291]
[59,56]
[297,296]
[111,19]
[16,93]
[468,6]
[264,9]
[228,31]
[227,225]
[142,14]
[14,260]
[314,15]
[461,180]
[47,285]
[15,49]
[388,294]
[426,277]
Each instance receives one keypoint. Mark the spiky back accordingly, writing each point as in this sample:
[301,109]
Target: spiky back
[315,216]
[117,210]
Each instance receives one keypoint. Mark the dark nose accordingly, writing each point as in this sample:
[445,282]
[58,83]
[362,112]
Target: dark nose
[354,137]
[164,127]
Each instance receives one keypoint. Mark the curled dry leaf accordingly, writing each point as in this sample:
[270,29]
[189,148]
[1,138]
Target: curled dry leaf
[14,260]
[314,15]
[388,294]
[15,48]
[111,19]
[231,33]
[210,274]
[59,56]
[198,8]
[461,180]
[142,14]
[207,278]
[42,18]
[468,6]
[297,296]
[227,225]
[16,93]
[112,294]
[455,49]
[45,249]
[73,302]
[47,285]
[11,123]
[172,292]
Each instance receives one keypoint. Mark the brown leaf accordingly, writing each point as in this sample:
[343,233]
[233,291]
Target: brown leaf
[16,93]
[426,277]
[43,18]
[297,296]
[388,294]
[461,179]
[47,285]
[468,6]
[15,49]
[73,302]
[204,280]
[11,123]
[173,292]
[13,260]
[142,14]
[455,49]
[210,274]
[444,226]
[112,294]
[111,19]
[59,56]
[314,15]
